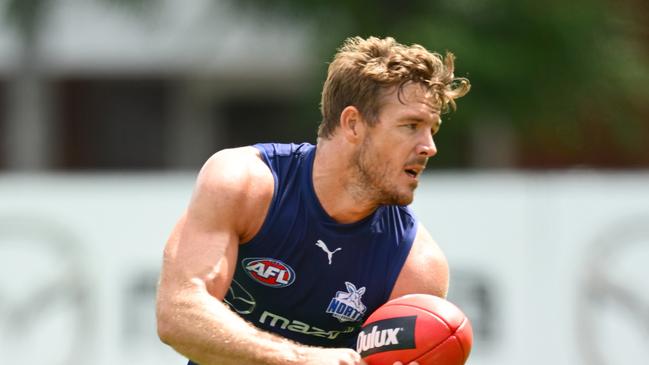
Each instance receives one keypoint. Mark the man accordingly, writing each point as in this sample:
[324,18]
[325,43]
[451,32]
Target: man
[285,249]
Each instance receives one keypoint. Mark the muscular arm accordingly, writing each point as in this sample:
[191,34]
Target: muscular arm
[425,270]
[232,189]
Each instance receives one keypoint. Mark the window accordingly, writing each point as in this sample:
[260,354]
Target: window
[112,123]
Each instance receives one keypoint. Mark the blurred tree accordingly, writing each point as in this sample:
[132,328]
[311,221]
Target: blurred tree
[564,83]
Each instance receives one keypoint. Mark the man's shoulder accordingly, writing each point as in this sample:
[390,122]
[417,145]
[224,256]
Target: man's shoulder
[270,150]
[239,159]
[234,185]
[234,169]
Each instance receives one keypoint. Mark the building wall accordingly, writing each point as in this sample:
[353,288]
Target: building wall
[103,86]
[550,268]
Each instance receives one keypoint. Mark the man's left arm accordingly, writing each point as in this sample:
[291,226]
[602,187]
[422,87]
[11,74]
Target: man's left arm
[425,270]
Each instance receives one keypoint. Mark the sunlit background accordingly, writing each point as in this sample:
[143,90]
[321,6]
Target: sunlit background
[539,194]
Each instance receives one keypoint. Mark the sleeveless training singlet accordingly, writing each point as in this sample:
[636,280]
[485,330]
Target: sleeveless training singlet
[306,277]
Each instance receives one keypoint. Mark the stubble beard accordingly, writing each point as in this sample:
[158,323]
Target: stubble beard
[371,182]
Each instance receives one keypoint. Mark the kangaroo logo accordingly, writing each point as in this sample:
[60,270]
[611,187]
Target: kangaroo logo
[324,248]
[347,306]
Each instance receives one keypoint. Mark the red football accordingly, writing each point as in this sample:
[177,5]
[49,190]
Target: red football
[416,327]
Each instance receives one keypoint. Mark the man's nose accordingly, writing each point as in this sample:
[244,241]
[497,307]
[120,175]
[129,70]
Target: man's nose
[427,147]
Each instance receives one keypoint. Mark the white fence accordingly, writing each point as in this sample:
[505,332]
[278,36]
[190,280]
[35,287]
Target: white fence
[551,268]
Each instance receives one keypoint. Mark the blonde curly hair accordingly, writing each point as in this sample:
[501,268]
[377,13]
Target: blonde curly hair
[363,69]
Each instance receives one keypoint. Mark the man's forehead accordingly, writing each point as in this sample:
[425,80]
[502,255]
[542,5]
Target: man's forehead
[414,95]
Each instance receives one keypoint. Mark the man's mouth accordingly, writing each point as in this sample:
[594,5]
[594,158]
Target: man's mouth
[415,167]
[412,173]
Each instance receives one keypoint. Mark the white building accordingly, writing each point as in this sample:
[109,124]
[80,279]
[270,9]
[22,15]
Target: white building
[172,77]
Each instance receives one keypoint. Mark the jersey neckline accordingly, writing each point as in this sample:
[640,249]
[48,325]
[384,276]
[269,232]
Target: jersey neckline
[316,205]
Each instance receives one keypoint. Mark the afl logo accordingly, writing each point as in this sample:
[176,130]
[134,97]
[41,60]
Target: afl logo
[269,272]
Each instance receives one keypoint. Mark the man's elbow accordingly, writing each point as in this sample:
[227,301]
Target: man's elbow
[166,326]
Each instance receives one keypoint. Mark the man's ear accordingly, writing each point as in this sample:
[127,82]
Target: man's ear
[352,124]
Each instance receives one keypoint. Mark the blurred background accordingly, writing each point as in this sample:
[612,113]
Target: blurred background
[539,194]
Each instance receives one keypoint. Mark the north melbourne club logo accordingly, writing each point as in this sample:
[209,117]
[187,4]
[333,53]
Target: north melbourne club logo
[347,306]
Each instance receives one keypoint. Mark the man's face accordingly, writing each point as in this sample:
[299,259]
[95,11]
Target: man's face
[395,150]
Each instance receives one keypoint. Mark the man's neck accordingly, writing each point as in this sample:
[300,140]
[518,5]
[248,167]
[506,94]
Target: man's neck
[333,183]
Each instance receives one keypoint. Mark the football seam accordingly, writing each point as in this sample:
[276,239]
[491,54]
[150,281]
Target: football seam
[464,351]
[434,314]
[438,345]
[453,331]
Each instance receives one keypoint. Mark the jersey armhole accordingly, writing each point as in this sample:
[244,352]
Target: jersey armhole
[272,207]
[402,254]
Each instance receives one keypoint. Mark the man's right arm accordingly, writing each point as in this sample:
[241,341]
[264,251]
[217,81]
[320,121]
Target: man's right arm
[232,189]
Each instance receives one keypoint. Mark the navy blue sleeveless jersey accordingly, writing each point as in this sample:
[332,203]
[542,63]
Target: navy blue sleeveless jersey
[306,277]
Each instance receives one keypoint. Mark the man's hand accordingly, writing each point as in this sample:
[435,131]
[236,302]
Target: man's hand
[335,356]
[330,356]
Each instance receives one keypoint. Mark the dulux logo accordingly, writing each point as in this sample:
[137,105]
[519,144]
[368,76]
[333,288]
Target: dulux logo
[269,272]
[386,335]
[377,338]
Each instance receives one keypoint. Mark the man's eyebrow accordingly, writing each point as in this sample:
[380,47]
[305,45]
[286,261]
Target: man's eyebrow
[415,118]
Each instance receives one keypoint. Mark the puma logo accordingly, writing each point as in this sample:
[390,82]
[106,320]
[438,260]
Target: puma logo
[324,248]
